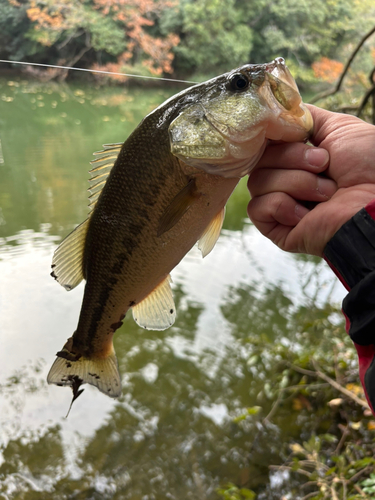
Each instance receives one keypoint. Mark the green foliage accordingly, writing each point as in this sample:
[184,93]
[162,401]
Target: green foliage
[368,485]
[106,34]
[308,30]
[208,36]
[338,454]
[339,479]
[254,410]
[13,26]
[232,492]
[218,44]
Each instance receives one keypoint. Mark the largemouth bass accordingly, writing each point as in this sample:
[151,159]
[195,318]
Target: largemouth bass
[155,196]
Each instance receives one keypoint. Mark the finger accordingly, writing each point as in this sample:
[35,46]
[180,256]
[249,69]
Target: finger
[328,122]
[299,184]
[270,210]
[276,215]
[294,156]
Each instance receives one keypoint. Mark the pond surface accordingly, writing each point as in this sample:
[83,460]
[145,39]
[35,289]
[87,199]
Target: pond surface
[179,430]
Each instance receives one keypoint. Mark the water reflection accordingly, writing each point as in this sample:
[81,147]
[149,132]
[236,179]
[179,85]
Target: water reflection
[1,154]
[173,431]
[177,431]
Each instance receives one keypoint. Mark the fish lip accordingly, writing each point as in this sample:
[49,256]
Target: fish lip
[271,66]
[280,70]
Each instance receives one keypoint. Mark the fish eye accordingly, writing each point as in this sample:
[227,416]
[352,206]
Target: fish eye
[238,82]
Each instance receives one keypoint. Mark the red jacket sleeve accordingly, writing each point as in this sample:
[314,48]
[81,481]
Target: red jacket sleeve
[351,255]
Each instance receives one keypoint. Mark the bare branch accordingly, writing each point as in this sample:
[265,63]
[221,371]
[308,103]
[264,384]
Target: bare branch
[286,467]
[354,478]
[333,383]
[360,491]
[274,408]
[345,70]
[367,96]
[310,495]
[344,435]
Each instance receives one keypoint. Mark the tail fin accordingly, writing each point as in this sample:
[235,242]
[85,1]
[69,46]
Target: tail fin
[102,373]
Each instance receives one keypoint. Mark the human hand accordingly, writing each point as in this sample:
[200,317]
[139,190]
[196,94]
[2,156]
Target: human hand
[291,173]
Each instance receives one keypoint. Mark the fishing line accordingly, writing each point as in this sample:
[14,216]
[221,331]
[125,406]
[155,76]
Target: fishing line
[97,71]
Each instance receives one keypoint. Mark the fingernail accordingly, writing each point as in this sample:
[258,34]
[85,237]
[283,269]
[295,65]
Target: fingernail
[300,211]
[326,187]
[316,157]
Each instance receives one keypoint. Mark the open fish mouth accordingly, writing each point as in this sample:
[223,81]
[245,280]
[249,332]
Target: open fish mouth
[280,70]
[285,91]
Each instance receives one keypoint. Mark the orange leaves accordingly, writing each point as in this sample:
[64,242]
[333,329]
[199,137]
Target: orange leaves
[45,16]
[327,69]
[159,52]
[49,19]
[120,27]
[153,53]
[119,8]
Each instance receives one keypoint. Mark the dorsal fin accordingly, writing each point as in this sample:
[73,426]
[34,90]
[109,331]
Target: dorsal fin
[67,259]
[102,166]
[211,234]
[157,311]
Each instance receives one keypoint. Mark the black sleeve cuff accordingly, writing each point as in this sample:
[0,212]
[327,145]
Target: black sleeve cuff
[351,251]
[351,254]
[359,307]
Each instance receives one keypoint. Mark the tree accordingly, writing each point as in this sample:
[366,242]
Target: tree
[65,31]
[214,37]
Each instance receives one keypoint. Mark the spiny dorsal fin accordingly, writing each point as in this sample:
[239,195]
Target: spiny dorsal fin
[178,206]
[211,234]
[102,167]
[157,311]
[67,259]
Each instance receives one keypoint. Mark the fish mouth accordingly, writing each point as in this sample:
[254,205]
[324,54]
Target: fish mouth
[279,69]
[285,91]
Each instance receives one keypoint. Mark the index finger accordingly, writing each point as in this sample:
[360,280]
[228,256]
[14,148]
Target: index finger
[328,122]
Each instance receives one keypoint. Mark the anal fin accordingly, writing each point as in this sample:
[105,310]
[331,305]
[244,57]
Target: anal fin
[157,311]
[211,234]
[102,373]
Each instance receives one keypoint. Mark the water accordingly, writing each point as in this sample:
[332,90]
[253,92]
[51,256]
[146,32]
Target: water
[177,431]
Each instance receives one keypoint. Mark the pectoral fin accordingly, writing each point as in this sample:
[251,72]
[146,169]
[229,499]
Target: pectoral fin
[211,234]
[67,259]
[157,311]
[178,206]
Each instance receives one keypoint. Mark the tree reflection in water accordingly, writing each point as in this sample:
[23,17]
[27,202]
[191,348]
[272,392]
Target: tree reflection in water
[175,432]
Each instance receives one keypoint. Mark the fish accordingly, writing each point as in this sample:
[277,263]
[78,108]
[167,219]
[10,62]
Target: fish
[157,194]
